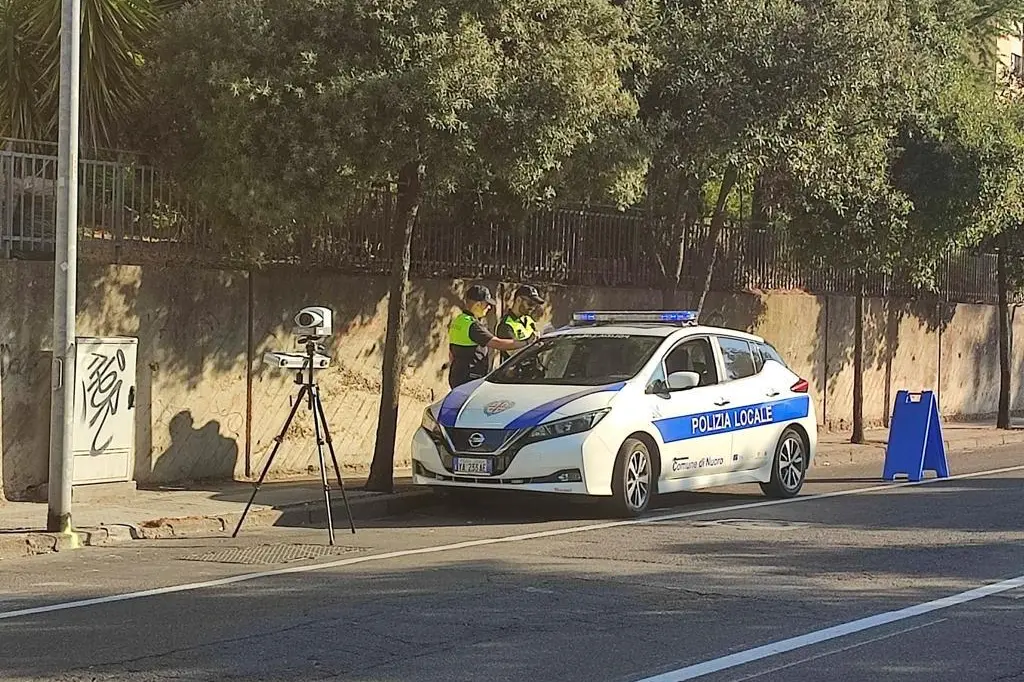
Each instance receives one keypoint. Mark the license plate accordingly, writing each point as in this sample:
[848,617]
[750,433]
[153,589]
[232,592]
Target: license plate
[464,465]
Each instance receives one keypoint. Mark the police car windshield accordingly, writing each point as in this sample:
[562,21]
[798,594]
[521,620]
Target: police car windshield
[578,360]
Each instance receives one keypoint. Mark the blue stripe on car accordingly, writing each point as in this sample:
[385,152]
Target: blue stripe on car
[675,429]
[538,414]
[453,402]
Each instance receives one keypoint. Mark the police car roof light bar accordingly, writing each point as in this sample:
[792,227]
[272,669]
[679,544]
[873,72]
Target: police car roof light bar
[679,317]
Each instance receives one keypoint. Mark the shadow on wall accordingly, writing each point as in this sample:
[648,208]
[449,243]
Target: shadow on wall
[901,350]
[192,329]
[191,325]
[195,453]
[24,465]
[431,307]
[26,293]
[358,304]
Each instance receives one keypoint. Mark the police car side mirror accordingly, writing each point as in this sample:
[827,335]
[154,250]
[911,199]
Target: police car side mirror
[681,381]
[657,387]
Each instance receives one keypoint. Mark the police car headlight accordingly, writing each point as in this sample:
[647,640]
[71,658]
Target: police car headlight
[567,427]
[429,422]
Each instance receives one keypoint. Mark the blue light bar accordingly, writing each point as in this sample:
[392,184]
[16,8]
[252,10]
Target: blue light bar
[643,316]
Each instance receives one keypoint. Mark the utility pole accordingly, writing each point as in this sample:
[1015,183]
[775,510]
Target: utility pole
[65,274]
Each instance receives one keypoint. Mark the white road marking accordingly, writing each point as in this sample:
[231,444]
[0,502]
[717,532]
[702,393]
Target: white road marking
[436,549]
[840,650]
[739,658]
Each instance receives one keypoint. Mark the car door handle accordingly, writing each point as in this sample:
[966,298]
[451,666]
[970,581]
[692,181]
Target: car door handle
[772,393]
[721,402]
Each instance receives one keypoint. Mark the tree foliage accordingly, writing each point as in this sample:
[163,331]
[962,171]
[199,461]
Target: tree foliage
[115,35]
[936,167]
[276,110]
[738,91]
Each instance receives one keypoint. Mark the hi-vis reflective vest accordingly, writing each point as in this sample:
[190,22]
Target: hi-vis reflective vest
[458,330]
[522,327]
[467,360]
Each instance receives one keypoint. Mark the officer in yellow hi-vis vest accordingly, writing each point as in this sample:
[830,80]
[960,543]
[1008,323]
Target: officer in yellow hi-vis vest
[517,323]
[469,340]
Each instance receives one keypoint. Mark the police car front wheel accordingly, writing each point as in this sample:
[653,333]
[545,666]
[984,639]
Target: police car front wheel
[634,479]
[789,467]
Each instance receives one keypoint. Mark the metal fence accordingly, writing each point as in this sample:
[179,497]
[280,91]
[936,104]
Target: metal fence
[125,202]
[120,200]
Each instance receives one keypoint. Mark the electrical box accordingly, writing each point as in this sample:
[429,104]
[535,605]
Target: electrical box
[104,420]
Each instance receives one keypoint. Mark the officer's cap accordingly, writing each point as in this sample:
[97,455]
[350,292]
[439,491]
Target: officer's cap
[530,293]
[480,293]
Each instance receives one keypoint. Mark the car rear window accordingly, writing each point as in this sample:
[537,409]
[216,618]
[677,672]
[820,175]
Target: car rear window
[768,352]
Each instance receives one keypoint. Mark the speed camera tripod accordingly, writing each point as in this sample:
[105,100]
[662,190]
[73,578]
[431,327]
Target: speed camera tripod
[310,394]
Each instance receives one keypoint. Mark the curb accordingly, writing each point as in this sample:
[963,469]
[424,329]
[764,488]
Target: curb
[369,506]
[365,507]
[29,543]
[313,513]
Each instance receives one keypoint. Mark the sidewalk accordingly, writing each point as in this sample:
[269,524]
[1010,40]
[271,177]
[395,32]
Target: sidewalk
[835,448]
[211,509]
[216,508]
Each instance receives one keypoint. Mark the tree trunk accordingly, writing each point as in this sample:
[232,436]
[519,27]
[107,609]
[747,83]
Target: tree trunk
[858,363]
[661,238]
[1003,414]
[714,235]
[410,187]
[758,214]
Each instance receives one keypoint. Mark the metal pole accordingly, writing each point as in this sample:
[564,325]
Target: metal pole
[62,397]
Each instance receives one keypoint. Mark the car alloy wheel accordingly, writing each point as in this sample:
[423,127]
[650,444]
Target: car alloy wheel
[634,478]
[791,461]
[789,466]
[638,479]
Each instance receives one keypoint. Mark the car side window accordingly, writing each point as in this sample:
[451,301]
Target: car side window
[739,361]
[694,355]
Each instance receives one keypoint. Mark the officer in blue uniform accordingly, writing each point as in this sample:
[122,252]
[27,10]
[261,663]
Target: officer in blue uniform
[469,339]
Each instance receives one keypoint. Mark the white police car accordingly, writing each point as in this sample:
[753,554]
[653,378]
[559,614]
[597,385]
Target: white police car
[626,405]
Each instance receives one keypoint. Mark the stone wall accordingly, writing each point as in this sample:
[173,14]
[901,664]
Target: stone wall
[203,415]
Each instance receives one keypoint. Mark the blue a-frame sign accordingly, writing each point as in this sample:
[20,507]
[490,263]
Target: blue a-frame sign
[915,438]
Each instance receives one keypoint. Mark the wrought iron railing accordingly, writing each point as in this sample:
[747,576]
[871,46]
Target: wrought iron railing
[120,200]
[127,203]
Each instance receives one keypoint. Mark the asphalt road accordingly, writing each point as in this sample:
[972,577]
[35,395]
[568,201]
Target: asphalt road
[839,585]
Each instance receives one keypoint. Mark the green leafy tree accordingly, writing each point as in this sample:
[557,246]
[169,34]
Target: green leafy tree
[115,34]
[1008,245]
[937,169]
[277,110]
[734,88]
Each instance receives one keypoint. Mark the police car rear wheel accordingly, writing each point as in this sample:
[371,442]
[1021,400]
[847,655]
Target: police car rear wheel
[633,481]
[789,468]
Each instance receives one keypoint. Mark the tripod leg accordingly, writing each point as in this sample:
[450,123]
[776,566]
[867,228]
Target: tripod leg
[334,459]
[270,460]
[315,409]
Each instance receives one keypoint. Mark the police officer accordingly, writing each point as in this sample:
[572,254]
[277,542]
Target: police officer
[469,340]
[517,323]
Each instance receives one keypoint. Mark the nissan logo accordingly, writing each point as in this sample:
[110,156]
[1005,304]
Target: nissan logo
[476,440]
